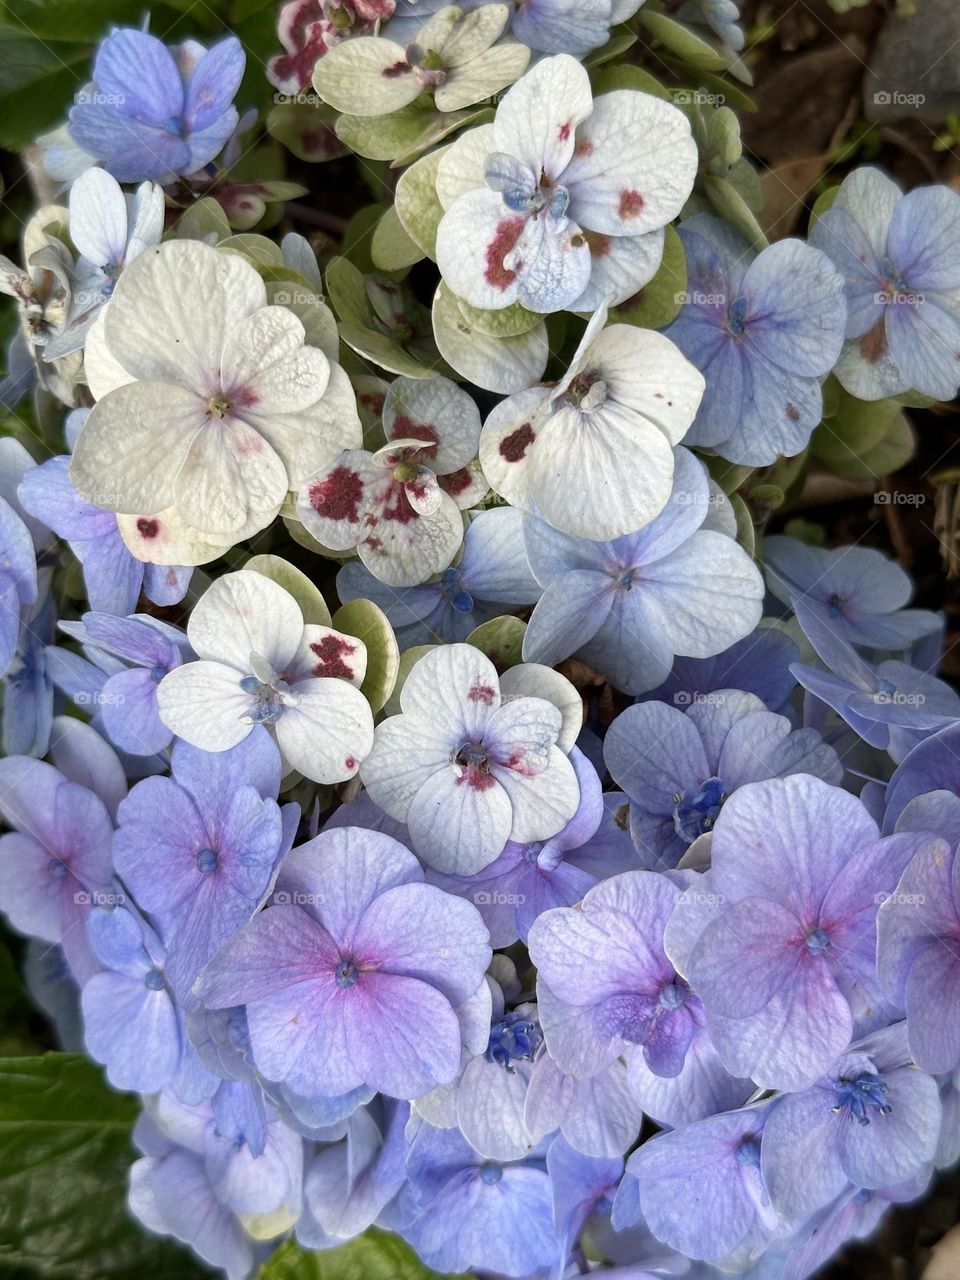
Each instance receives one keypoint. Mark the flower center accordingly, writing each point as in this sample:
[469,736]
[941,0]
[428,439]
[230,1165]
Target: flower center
[695,814]
[154,980]
[57,868]
[817,942]
[748,1151]
[208,860]
[157,674]
[861,1094]
[737,317]
[588,391]
[218,405]
[346,974]
[454,593]
[513,1038]
[673,995]
[490,1173]
[836,604]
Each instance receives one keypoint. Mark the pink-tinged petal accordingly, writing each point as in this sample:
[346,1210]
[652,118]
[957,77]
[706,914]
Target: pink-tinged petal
[633,165]
[795,1039]
[475,237]
[552,262]
[266,368]
[575,1036]
[455,689]
[312,437]
[460,819]
[230,476]
[345,870]
[328,731]
[325,652]
[438,412]
[280,949]
[521,733]
[537,120]
[335,502]
[509,435]
[402,1035]
[745,957]
[418,931]
[404,547]
[542,804]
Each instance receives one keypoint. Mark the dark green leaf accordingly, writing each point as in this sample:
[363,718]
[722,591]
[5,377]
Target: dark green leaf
[374,1256]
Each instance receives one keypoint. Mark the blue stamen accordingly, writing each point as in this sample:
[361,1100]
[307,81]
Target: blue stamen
[347,974]
[748,1152]
[208,860]
[858,1095]
[513,1038]
[490,1173]
[694,815]
[154,980]
[817,942]
[673,995]
[737,318]
[157,674]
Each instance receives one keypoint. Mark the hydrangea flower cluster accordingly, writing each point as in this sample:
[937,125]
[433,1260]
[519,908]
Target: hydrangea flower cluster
[452,810]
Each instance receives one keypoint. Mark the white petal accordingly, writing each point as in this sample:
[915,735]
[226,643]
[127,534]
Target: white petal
[244,613]
[330,730]
[462,166]
[98,218]
[537,119]
[312,437]
[102,369]
[267,369]
[229,476]
[202,702]
[164,538]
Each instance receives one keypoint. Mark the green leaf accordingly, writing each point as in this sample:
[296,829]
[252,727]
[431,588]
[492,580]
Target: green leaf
[259,251]
[403,135]
[686,44]
[203,221]
[511,322]
[629,77]
[496,364]
[373,1256]
[368,622]
[825,201]
[358,236]
[746,533]
[39,79]
[621,39]
[660,300]
[286,575]
[391,248]
[65,1153]
[732,207]
[306,129]
[501,639]
[417,203]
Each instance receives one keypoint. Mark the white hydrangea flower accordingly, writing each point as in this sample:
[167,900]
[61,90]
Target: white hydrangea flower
[593,454]
[207,398]
[562,201]
[260,664]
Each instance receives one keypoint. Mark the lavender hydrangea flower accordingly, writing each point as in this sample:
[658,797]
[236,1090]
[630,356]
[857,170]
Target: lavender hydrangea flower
[932,766]
[131,1022]
[782,951]
[18,579]
[763,330]
[918,954]
[358,954]
[466,769]
[155,112]
[127,701]
[560,189]
[900,259]
[598,1115]
[873,1120]
[462,1212]
[582,1186]
[528,879]
[546,26]
[606,989]
[892,706]
[629,606]
[492,572]
[859,591]
[200,850]
[700,1189]
[55,864]
[27,687]
[678,766]
[259,664]
[758,664]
